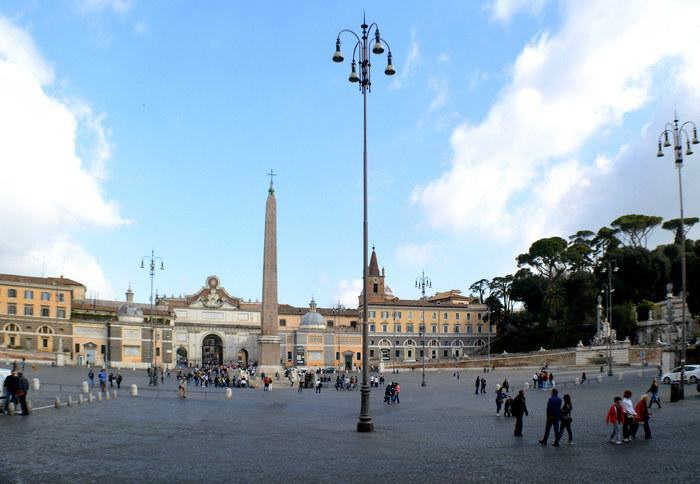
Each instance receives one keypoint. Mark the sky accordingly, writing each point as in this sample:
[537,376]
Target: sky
[127,126]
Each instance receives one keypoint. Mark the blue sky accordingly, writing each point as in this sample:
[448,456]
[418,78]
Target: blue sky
[153,124]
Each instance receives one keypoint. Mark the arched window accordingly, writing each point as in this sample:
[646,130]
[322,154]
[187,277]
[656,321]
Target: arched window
[45,330]
[384,343]
[10,339]
[457,342]
[433,342]
[44,342]
[409,342]
[479,342]
[12,328]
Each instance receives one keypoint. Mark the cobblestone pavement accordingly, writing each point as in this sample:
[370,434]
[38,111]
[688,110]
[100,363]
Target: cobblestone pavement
[441,432]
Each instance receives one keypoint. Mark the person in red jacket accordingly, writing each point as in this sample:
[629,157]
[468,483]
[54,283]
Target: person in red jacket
[615,417]
[642,417]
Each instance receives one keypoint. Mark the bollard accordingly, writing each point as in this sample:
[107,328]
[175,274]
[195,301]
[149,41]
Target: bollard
[36,384]
[30,406]
[526,386]
[11,408]
[91,398]
[70,401]
[134,392]
[84,387]
[81,400]
[107,397]
[600,378]
[229,394]
[57,403]
[99,396]
[619,376]
[133,368]
[114,394]
[577,381]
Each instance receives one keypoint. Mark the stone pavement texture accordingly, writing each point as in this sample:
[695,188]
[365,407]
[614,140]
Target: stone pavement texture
[438,433]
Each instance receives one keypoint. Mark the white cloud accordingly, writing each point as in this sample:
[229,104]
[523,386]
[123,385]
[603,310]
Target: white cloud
[117,6]
[512,171]
[505,10]
[52,157]
[348,292]
[440,92]
[413,60]
[414,255]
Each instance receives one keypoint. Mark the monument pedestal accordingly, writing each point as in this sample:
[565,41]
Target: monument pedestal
[269,355]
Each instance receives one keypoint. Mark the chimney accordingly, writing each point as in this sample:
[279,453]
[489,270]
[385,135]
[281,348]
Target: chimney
[129,295]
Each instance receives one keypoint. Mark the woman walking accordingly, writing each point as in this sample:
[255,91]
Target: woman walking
[654,392]
[615,417]
[566,418]
[500,396]
[642,417]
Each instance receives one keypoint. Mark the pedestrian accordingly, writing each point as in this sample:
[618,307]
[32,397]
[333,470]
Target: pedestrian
[10,388]
[318,386]
[457,376]
[506,385]
[566,418]
[388,394]
[397,390]
[654,392]
[24,362]
[182,390]
[483,385]
[119,380]
[615,417]
[102,377]
[301,385]
[507,407]
[519,408]
[91,377]
[629,414]
[553,418]
[535,379]
[477,385]
[642,417]
[111,379]
[500,396]
[583,377]
[21,393]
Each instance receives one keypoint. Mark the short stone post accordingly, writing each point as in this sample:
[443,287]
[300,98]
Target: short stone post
[30,406]
[99,396]
[57,403]
[70,401]
[11,408]
[526,386]
[114,392]
[107,396]
[619,376]
[84,387]
[81,400]
[134,391]
[577,381]
[229,394]
[36,384]
[91,398]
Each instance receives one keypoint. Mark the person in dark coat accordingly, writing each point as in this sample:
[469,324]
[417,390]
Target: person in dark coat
[22,389]
[553,418]
[518,409]
[483,385]
[477,385]
[10,388]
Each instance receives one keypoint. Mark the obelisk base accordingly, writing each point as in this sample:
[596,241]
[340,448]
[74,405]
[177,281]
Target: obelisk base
[269,355]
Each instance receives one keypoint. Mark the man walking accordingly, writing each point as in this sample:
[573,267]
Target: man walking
[518,409]
[629,415]
[103,380]
[21,392]
[10,388]
[553,417]
[91,377]
[483,385]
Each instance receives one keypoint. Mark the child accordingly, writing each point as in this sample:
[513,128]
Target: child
[615,417]
[507,406]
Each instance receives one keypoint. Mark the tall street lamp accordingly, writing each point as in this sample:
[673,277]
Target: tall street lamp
[610,267]
[151,261]
[423,282]
[679,133]
[361,49]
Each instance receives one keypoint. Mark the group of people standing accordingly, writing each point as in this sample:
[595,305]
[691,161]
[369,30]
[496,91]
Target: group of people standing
[15,389]
[626,417]
[391,393]
[103,378]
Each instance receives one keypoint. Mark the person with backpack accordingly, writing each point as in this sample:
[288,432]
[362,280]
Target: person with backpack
[553,418]
[518,409]
[566,418]
[615,417]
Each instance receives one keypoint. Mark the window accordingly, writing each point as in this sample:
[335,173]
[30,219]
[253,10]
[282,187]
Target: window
[44,342]
[410,315]
[434,328]
[478,329]
[409,327]
[61,297]
[283,322]
[103,349]
[372,314]
[490,328]
[44,311]
[422,315]
[372,328]
[289,356]
[434,315]
[12,340]
[444,353]
[371,353]
[43,330]
[375,287]
[385,315]
[410,354]
[353,324]
[398,343]
[456,328]
[422,353]
[445,329]
[397,314]
[11,309]
[397,328]
[12,293]
[157,351]
[445,315]
[77,347]
[329,324]
[469,316]
[384,328]
[61,313]
[28,294]
[469,330]
[457,316]
[398,353]
[337,355]
[359,356]
[478,316]
[45,296]
[28,310]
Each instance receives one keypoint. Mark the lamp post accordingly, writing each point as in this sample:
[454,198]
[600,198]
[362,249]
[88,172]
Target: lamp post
[679,132]
[488,337]
[423,282]
[361,48]
[336,309]
[152,260]
[610,268]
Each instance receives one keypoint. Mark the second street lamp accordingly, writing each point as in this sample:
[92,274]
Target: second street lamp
[361,49]
[423,282]
[610,267]
[679,133]
[152,261]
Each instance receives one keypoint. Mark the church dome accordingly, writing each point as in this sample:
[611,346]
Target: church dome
[130,314]
[313,319]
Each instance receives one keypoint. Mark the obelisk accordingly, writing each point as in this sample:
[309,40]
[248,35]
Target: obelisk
[269,339]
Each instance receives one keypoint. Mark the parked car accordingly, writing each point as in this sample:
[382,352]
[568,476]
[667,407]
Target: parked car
[692,374]
[3,374]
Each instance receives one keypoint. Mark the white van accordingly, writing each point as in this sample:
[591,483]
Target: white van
[3,374]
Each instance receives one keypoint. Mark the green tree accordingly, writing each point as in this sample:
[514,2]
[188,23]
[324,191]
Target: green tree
[636,228]
[480,287]
[674,225]
[547,256]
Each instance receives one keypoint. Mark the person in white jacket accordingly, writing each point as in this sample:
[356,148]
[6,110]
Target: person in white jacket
[629,414]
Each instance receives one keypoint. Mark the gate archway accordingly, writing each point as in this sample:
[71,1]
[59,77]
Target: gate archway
[212,350]
[243,358]
[181,356]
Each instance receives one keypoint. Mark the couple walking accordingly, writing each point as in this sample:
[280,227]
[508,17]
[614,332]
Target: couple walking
[558,412]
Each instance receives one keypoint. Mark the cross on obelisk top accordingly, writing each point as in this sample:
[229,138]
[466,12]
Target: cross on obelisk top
[272,174]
